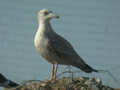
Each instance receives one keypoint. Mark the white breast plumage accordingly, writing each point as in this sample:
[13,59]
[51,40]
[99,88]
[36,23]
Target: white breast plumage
[40,42]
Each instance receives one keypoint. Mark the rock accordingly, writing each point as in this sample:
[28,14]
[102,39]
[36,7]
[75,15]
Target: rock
[99,81]
[66,83]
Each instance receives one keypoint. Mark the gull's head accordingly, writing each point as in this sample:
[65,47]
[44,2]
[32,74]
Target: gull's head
[46,14]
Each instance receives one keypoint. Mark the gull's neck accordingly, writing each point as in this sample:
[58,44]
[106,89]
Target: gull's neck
[44,27]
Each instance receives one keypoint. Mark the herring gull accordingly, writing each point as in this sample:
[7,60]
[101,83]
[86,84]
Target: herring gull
[54,48]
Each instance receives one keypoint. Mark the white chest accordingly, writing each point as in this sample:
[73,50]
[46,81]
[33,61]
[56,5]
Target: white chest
[40,42]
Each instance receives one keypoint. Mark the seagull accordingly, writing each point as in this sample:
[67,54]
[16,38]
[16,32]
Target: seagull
[6,83]
[54,48]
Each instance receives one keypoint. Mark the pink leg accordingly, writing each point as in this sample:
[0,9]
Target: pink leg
[52,73]
[55,71]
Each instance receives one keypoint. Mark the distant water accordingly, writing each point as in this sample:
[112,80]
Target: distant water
[92,27]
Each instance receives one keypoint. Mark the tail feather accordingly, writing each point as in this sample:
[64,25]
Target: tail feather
[89,69]
[86,68]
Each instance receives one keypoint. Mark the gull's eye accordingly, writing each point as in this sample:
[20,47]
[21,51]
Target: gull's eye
[46,13]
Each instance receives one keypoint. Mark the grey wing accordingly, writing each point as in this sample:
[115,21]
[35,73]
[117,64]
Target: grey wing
[62,46]
[64,50]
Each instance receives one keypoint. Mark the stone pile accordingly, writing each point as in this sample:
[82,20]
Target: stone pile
[66,83]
